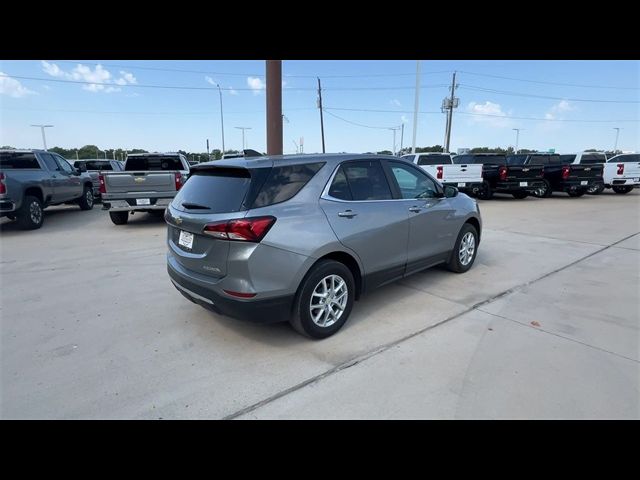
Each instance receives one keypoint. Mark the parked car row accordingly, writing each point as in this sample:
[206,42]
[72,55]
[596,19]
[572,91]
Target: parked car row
[535,174]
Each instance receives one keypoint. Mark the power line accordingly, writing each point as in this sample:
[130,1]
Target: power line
[548,83]
[208,72]
[478,114]
[517,94]
[354,123]
[144,113]
[185,87]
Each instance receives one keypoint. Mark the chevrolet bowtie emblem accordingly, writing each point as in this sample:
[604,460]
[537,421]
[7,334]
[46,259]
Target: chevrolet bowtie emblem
[178,220]
[139,179]
[525,169]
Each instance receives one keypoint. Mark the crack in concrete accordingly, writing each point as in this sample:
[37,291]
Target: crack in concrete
[387,346]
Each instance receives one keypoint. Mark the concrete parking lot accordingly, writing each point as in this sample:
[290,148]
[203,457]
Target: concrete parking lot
[545,325]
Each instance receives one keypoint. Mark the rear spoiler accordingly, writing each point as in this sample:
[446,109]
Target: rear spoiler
[252,153]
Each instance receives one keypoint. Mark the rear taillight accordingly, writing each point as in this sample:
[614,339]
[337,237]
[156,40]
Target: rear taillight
[439,172]
[3,187]
[565,172]
[502,172]
[103,186]
[542,172]
[178,181]
[620,168]
[242,229]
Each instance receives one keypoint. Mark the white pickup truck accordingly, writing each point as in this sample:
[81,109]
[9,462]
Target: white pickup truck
[622,172]
[467,178]
[148,184]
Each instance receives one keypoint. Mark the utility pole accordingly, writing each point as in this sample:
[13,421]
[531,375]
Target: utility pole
[243,129]
[221,117]
[274,107]
[320,107]
[44,139]
[615,147]
[415,107]
[401,137]
[208,156]
[517,137]
[301,144]
[297,148]
[77,157]
[450,104]
[114,153]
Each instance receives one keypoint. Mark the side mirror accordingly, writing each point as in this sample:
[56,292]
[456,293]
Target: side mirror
[450,191]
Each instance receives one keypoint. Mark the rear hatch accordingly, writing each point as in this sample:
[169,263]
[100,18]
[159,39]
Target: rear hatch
[211,195]
[524,172]
[129,182]
[462,173]
[630,167]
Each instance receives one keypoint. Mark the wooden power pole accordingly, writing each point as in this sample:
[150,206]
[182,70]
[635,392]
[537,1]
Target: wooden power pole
[274,107]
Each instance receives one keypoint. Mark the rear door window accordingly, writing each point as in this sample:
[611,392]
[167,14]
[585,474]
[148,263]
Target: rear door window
[367,180]
[18,160]
[339,187]
[284,182]
[153,163]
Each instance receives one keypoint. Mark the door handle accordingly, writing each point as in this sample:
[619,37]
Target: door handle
[415,209]
[347,214]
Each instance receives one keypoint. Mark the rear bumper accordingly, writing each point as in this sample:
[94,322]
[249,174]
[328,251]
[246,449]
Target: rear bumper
[270,310]
[7,206]
[130,204]
[510,187]
[572,185]
[624,182]
[473,187]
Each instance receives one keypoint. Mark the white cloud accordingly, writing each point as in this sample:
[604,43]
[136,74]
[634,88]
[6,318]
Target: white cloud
[558,109]
[211,81]
[489,113]
[52,69]
[256,84]
[232,91]
[396,102]
[97,77]
[404,119]
[13,88]
[46,87]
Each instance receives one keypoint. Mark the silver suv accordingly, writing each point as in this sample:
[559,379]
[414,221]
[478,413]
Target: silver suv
[299,238]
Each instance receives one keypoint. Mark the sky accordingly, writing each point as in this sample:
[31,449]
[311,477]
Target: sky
[363,100]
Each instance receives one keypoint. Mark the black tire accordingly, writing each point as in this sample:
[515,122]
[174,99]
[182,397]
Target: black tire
[119,218]
[30,216]
[485,193]
[454,264]
[86,200]
[596,189]
[520,195]
[301,319]
[544,191]
[576,193]
[622,190]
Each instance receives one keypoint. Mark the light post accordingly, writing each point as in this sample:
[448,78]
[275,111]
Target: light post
[44,140]
[221,116]
[615,147]
[243,129]
[394,129]
[517,137]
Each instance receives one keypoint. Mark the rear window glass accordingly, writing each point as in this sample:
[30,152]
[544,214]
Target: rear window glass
[153,163]
[567,158]
[95,165]
[517,159]
[283,183]
[539,160]
[434,159]
[214,191]
[593,158]
[18,160]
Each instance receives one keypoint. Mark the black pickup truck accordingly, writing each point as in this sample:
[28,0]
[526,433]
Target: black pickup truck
[499,177]
[574,179]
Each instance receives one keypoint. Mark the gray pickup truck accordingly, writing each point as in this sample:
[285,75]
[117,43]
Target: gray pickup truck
[31,180]
[94,167]
[148,184]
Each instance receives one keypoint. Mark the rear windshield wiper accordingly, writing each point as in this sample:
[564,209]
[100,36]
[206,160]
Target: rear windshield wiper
[194,206]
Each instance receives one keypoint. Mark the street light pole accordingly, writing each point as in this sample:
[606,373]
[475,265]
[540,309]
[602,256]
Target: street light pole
[394,129]
[517,137]
[243,129]
[221,116]
[415,107]
[44,140]
[615,148]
